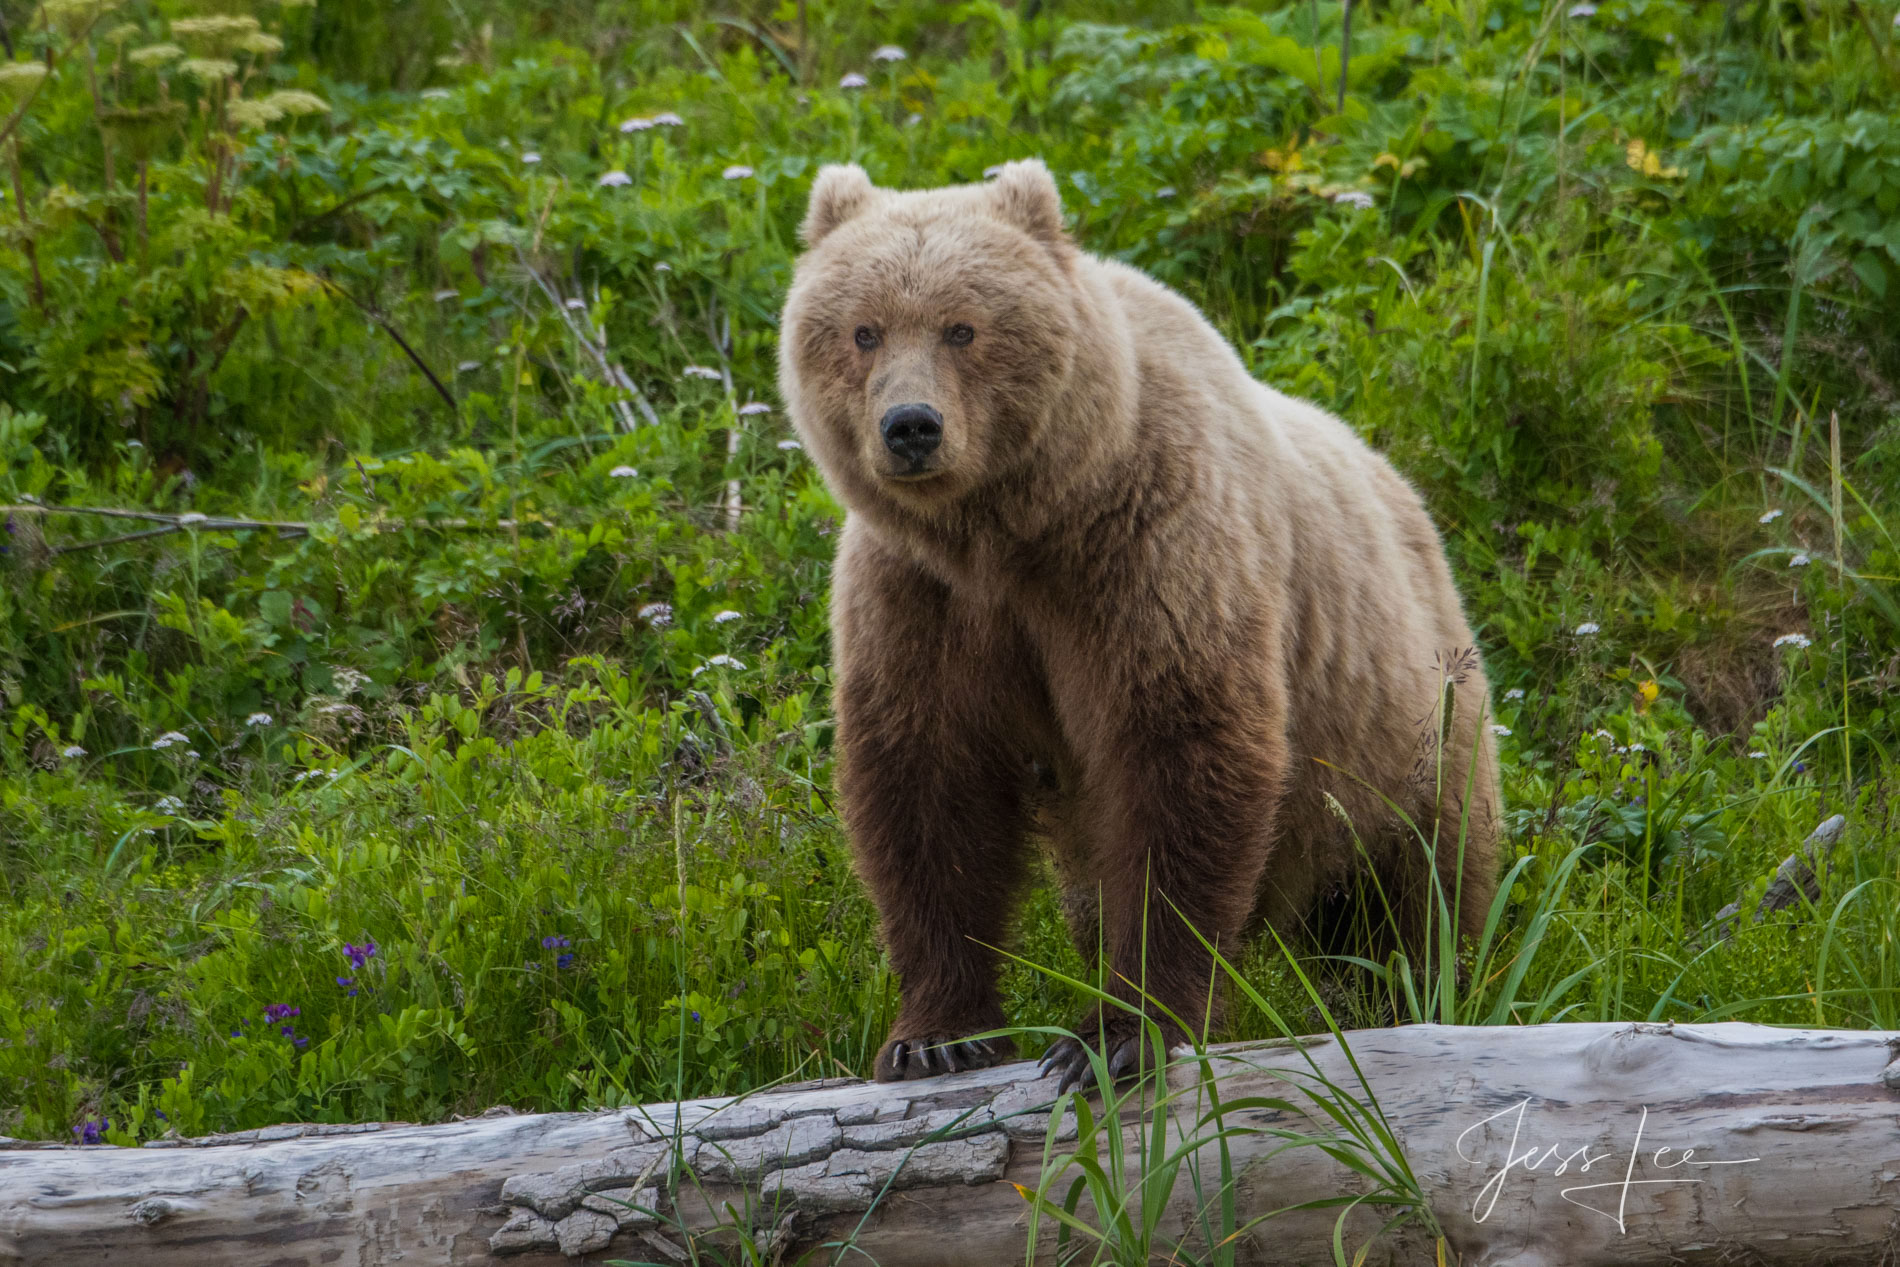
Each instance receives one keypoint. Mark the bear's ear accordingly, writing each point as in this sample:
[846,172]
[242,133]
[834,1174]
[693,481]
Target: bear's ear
[841,191]
[1025,195]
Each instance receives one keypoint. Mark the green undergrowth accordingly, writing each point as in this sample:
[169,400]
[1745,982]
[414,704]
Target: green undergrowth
[468,302]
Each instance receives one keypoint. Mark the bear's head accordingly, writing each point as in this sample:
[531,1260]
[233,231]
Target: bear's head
[929,333]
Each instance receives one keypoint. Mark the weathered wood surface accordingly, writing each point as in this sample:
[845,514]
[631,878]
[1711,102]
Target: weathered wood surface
[1559,1144]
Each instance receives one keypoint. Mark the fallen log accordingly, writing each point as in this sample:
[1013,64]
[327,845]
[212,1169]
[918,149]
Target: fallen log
[1559,1144]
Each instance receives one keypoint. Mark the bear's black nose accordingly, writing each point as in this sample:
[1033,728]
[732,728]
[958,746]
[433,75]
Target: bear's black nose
[912,432]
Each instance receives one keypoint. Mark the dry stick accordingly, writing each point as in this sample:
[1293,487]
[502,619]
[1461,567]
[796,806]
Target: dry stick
[392,332]
[215,523]
[1840,583]
[333,209]
[722,344]
[188,519]
[596,347]
[608,371]
[121,539]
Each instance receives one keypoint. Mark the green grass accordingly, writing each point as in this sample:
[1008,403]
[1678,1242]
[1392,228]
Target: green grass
[451,719]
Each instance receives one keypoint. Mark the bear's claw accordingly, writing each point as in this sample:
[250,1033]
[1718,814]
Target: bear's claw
[1123,1041]
[928,1055]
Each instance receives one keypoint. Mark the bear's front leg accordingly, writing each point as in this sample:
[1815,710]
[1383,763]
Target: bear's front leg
[1183,772]
[933,780]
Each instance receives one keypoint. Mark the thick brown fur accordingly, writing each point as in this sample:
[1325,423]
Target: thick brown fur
[1194,626]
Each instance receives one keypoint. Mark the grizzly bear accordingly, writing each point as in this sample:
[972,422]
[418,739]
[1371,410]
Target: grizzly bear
[1097,585]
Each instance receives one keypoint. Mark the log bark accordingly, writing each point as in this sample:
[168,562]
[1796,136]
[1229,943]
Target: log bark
[1560,1144]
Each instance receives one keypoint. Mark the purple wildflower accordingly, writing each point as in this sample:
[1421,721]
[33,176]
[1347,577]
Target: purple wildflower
[696,1016]
[533,965]
[360,955]
[553,943]
[565,961]
[281,1012]
[348,986]
[92,1131]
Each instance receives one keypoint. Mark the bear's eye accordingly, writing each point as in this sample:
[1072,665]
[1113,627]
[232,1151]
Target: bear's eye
[959,335]
[866,337]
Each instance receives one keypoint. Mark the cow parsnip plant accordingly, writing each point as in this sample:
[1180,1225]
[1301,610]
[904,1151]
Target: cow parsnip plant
[494,767]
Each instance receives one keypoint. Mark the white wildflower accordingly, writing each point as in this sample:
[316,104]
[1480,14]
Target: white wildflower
[296,101]
[699,371]
[662,267]
[1166,191]
[1583,10]
[169,738]
[1636,747]
[1500,731]
[348,681]
[72,752]
[1516,692]
[168,805]
[854,80]
[191,517]
[752,407]
[913,120]
[727,617]
[150,55]
[447,293]
[208,69]
[1799,561]
[1757,755]
[334,773]
[259,719]
[1587,628]
[623,472]
[720,662]
[659,615]
[888,53]
[1603,734]
[465,367]
[667,119]
[615,179]
[738,171]
[192,753]
[1353,198]
[1795,640]
[577,305]
[790,445]
[1769,516]
[638,124]
[530,156]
